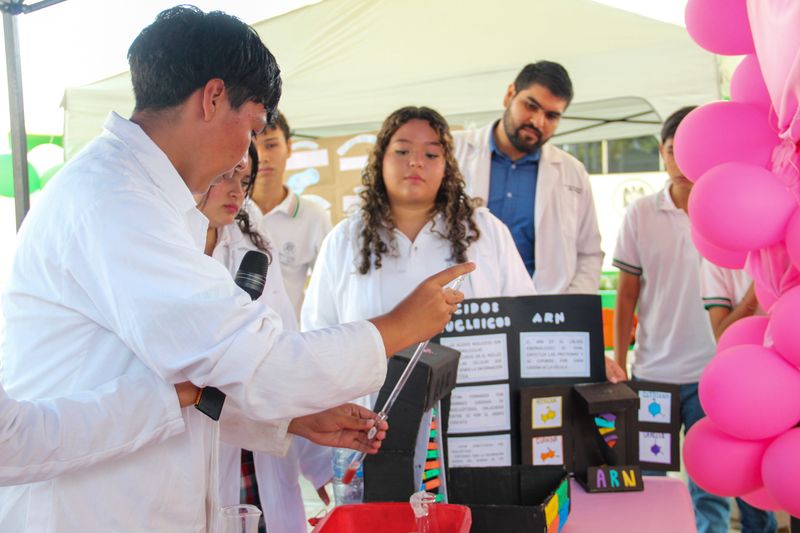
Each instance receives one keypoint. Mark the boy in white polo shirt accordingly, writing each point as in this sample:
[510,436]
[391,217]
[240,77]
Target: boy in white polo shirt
[295,224]
[728,296]
[660,271]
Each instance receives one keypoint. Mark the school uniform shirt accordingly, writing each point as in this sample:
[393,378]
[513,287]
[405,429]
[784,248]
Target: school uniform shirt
[723,287]
[674,341]
[278,477]
[566,236]
[110,278]
[338,293]
[43,439]
[297,226]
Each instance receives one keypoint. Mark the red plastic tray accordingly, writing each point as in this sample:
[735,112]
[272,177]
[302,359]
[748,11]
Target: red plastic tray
[393,518]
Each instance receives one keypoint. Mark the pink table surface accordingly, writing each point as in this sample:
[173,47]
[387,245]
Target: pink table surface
[664,506]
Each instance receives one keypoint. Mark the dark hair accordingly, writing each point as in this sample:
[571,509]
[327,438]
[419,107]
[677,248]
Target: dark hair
[243,217]
[451,200]
[547,73]
[279,122]
[185,48]
[671,124]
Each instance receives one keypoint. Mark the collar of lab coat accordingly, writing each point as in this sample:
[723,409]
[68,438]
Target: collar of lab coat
[550,164]
[154,161]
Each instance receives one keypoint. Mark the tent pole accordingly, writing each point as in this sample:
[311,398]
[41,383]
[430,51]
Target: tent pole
[19,144]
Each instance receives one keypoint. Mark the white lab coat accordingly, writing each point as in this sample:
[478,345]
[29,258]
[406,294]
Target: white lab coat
[338,293]
[567,248]
[109,277]
[278,477]
[43,439]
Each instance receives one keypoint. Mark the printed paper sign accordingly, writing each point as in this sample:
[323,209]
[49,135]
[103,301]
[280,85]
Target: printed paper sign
[546,412]
[493,450]
[353,162]
[548,450]
[655,406]
[307,158]
[483,357]
[557,354]
[654,447]
[479,409]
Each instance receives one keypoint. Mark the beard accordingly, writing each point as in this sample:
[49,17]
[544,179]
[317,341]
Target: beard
[520,143]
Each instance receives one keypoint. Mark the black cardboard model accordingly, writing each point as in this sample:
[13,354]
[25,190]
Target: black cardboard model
[392,475]
[596,431]
[606,450]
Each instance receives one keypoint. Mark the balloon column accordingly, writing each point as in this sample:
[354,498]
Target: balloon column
[744,158]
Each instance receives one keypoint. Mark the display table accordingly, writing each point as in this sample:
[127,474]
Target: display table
[664,506]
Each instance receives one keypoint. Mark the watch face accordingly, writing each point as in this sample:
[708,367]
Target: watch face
[210,402]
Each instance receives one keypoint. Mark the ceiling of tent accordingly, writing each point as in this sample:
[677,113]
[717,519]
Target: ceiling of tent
[346,64]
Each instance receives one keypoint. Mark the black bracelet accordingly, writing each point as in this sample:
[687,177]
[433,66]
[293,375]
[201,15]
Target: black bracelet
[210,401]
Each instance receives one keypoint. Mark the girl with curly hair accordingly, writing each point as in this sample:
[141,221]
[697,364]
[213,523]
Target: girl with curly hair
[273,482]
[415,219]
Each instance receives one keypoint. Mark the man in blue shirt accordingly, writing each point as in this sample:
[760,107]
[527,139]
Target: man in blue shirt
[512,195]
[539,191]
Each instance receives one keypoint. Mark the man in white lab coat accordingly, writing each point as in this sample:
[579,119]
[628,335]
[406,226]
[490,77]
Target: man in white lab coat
[110,279]
[541,192]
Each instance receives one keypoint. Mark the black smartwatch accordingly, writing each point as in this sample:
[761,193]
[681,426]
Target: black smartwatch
[209,402]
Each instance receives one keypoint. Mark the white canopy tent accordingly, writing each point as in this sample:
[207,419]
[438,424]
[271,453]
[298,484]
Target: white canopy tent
[347,63]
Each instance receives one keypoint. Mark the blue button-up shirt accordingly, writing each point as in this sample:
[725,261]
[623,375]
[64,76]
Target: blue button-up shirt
[512,197]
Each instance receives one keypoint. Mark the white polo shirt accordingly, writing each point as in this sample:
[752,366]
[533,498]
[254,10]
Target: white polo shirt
[722,287]
[297,226]
[673,339]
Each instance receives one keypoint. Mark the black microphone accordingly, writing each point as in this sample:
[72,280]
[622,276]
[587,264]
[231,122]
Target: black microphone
[251,278]
[252,274]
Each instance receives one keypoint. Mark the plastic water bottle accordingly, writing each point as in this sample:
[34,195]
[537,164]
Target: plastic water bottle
[352,492]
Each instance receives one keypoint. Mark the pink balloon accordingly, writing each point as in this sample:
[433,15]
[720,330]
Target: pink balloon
[731,259]
[749,330]
[741,207]
[720,26]
[762,499]
[793,239]
[747,83]
[780,471]
[751,392]
[765,296]
[722,464]
[784,326]
[722,132]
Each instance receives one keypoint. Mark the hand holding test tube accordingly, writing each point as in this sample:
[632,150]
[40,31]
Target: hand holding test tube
[383,414]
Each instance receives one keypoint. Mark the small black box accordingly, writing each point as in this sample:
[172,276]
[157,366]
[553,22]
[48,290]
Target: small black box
[512,499]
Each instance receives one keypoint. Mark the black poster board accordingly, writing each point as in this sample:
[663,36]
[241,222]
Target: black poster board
[507,344]
[658,424]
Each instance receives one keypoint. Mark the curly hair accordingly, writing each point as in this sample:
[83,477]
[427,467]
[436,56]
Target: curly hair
[243,217]
[451,200]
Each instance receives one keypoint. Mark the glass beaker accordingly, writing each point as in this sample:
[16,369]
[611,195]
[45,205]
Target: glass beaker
[240,518]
